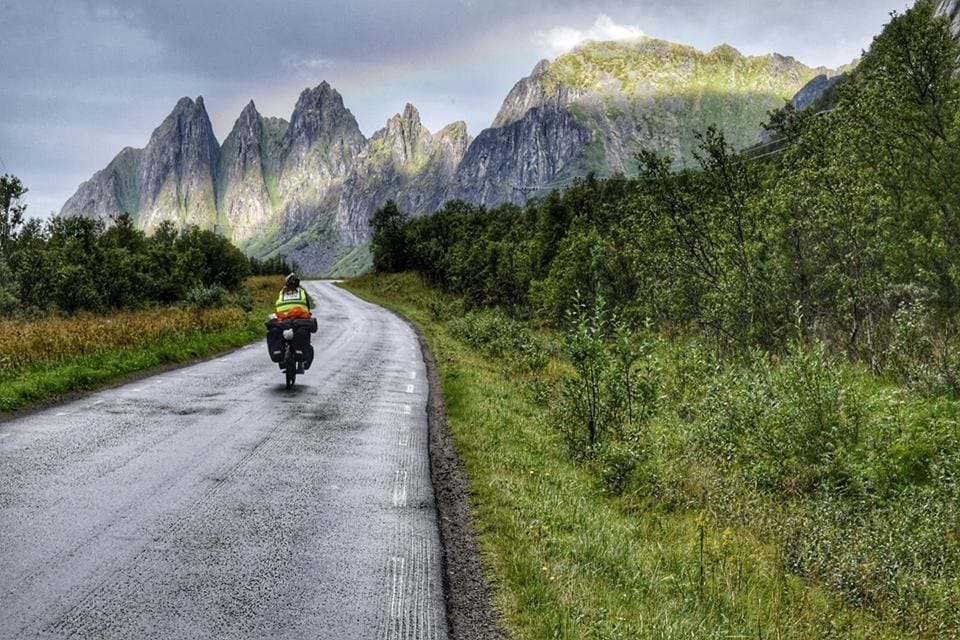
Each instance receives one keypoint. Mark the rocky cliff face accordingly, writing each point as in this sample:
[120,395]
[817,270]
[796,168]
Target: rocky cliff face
[308,187]
[176,173]
[648,93]
[317,152]
[593,109]
[248,162]
[319,148]
[403,162]
[534,91]
[505,164]
[110,191]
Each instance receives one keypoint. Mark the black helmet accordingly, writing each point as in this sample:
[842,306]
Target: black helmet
[292,281]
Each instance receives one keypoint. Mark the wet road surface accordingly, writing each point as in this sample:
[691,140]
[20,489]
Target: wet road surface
[211,502]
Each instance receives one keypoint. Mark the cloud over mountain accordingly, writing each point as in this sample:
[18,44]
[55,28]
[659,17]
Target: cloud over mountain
[562,39]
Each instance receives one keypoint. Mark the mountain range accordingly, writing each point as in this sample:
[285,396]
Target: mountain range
[306,187]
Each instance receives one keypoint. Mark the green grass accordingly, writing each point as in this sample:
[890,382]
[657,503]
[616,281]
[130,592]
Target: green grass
[568,559]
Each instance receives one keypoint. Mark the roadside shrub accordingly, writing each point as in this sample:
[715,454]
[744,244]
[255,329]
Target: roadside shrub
[613,389]
[788,426]
[442,308]
[496,335]
[924,353]
[899,556]
[202,296]
[614,463]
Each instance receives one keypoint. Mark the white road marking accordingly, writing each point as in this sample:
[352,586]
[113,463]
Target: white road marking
[396,596]
[413,375]
[4,435]
[98,402]
[400,489]
[64,413]
[407,409]
[409,388]
[404,436]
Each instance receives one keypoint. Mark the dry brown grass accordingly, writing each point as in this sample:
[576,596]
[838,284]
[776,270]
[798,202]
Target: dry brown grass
[24,343]
[263,289]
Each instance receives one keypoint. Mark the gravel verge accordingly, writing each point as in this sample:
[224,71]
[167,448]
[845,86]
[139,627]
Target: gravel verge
[467,591]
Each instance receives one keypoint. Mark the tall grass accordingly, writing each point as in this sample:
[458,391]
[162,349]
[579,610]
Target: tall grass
[48,340]
[45,356]
[751,497]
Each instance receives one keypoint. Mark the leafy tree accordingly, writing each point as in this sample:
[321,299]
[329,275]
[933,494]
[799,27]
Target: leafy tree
[81,264]
[390,242]
[12,209]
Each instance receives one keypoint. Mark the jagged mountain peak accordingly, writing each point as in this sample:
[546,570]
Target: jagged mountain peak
[454,130]
[321,114]
[249,110]
[186,114]
[541,68]
[188,104]
[322,96]
[246,130]
[175,174]
[530,93]
[410,113]
[110,191]
[248,124]
[724,50]
[306,188]
[406,123]
[247,158]
[404,137]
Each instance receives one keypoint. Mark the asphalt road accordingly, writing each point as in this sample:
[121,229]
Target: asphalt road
[211,502]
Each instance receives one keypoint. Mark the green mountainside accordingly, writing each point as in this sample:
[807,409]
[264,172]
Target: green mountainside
[652,93]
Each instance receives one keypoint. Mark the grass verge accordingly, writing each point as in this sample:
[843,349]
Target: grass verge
[46,358]
[570,560]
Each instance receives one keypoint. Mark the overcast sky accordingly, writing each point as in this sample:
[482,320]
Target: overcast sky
[81,79]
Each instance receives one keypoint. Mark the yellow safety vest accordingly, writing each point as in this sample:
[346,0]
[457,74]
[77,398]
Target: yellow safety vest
[289,300]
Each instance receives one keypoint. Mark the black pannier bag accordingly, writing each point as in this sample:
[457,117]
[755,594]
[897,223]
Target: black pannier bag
[302,328]
[275,339]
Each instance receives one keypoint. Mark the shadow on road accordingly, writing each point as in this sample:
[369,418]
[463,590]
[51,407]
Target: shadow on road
[281,391]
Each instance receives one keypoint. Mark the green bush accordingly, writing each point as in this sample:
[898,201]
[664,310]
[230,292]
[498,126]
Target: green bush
[201,296]
[497,335]
[605,403]
[615,463]
[924,353]
[82,264]
[789,425]
[9,304]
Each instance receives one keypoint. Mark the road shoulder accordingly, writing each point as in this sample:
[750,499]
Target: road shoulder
[468,593]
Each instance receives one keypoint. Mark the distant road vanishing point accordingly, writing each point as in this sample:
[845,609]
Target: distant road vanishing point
[210,502]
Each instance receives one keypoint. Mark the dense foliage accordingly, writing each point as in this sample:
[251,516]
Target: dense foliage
[274,266]
[74,264]
[855,220]
[717,320]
